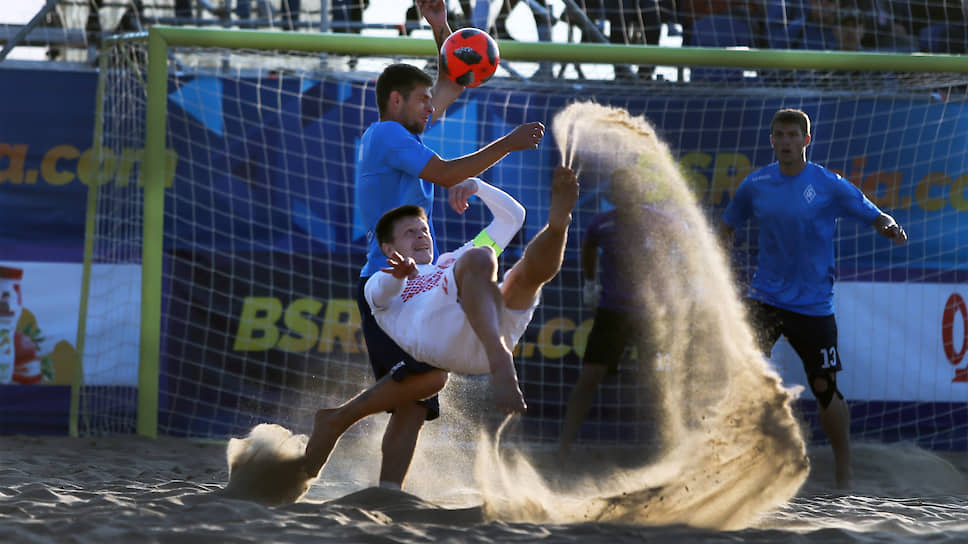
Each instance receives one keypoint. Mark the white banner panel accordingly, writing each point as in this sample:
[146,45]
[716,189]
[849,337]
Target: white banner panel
[892,340]
[51,305]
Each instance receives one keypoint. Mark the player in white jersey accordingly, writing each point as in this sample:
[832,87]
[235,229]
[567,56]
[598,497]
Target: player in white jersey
[409,304]
[412,291]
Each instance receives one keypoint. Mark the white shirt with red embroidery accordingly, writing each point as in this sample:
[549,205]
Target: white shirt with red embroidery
[423,315]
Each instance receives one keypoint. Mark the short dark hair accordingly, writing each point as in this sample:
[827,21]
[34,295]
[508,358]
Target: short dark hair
[400,77]
[790,115]
[851,17]
[625,186]
[387,222]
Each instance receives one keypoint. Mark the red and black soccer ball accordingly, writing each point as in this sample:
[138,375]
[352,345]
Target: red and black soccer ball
[469,57]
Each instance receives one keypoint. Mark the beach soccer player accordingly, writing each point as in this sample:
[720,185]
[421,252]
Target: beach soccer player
[453,313]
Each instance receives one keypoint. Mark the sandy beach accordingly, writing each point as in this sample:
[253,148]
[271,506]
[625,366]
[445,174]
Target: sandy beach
[134,489]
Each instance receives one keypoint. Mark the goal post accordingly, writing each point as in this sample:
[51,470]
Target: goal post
[167,230]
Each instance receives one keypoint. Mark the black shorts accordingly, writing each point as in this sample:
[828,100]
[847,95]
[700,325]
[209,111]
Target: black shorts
[813,337]
[612,333]
[386,357]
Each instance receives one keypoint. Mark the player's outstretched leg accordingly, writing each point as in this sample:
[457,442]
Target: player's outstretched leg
[386,394]
[482,302]
[579,403]
[543,256]
[399,443]
[835,421]
[326,432]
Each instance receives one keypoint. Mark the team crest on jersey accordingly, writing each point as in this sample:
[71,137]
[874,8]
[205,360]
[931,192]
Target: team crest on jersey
[809,193]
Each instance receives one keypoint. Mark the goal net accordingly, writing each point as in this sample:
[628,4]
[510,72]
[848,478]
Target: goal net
[225,235]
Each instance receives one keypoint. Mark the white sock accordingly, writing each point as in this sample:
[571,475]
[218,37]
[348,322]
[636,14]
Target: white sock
[390,485]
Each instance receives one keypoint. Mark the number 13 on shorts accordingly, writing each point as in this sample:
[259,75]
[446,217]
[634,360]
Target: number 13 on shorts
[829,356]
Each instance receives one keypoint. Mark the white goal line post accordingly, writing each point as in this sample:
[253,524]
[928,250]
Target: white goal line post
[160,39]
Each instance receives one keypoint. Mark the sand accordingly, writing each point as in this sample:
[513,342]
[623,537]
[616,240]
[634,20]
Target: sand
[134,489]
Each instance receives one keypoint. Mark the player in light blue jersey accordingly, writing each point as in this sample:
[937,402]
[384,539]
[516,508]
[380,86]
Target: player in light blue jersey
[796,204]
[395,168]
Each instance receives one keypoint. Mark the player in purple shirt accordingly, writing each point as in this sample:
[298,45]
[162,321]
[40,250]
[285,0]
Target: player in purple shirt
[796,205]
[620,245]
[396,168]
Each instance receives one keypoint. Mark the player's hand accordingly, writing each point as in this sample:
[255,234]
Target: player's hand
[459,194]
[896,233]
[590,293]
[507,394]
[564,195]
[526,136]
[401,267]
[434,11]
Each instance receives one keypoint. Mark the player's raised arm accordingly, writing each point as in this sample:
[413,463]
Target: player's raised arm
[450,172]
[444,91]
[381,288]
[889,228]
[508,213]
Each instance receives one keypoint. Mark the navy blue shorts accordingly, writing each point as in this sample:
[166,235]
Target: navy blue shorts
[813,337]
[612,333]
[386,357]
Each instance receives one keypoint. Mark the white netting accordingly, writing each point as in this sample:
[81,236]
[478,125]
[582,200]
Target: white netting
[263,248]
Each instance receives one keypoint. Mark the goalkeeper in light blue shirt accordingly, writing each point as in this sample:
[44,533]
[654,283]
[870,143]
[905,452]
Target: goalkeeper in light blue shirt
[796,205]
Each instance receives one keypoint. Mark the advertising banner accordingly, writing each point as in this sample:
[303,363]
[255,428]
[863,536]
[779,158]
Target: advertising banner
[901,342]
[898,342]
[45,330]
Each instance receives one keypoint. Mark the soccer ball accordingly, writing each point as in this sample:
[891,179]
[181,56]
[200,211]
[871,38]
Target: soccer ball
[469,57]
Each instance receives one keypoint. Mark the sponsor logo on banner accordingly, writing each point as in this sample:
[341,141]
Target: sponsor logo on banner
[266,324]
[63,163]
[333,325]
[954,324]
[45,333]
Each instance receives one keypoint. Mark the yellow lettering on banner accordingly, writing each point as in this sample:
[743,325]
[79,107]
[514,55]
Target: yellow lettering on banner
[523,349]
[259,315]
[129,157]
[891,181]
[856,172]
[295,321]
[689,164]
[922,193]
[728,173]
[48,166]
[580,339]
[729,170]
[546,337]
[16,155]
[88,172]
[55,168]
[171,163]
[959,200]
[341,324]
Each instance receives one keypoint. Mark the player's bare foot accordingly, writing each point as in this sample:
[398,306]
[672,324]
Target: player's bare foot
[564,195]
[507,394]
[326,433]
[843,476]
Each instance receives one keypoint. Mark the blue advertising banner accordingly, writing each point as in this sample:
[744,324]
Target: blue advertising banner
[256,154]
[274,157]
[45,156]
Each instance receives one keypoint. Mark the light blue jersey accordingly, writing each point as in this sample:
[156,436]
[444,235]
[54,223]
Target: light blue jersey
[391,159]
[797,217]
